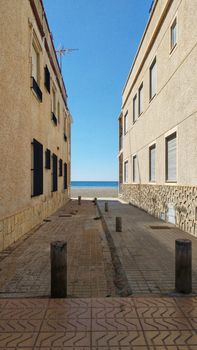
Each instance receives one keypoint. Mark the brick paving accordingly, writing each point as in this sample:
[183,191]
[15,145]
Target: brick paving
[135,323]
[147,255]
[25,266]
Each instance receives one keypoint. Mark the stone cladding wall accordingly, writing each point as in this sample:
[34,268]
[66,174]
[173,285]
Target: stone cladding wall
[15,226]
[157,199]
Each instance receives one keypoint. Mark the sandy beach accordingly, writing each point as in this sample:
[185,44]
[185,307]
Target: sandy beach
[91,192]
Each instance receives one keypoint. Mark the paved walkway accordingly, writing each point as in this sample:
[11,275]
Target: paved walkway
[147,254]
[99,324]
[25,266]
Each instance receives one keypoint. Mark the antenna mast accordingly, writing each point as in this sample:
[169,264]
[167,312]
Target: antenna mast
[62,51]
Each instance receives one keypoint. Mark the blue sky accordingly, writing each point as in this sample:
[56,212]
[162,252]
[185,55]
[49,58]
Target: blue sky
[107,34]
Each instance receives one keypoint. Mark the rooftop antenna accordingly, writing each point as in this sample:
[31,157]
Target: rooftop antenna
[62,51]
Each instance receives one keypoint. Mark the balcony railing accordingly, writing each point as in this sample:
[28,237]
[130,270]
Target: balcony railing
[54,118]
[36,89]
[65,137]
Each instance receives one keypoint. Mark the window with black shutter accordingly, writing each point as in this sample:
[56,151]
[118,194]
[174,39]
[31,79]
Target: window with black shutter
[37,177]
[47,78]
[60,167]
[54,188]
[65,177]
[48,159]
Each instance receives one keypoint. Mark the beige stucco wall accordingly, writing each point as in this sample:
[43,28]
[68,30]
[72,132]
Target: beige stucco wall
[174,108]
[23,118]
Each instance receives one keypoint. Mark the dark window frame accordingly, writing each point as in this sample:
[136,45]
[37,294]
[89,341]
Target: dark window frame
[150,149]
[47,79]
[126,163]
[154,62]
[60,167]
[54,173]
[65,176]
[126,124]
[139,95]
[47,159]
[169,138]
[173,45]
[37,169]
[135,116]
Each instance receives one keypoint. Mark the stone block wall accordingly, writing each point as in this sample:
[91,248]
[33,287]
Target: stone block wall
[15,226]
[158,200]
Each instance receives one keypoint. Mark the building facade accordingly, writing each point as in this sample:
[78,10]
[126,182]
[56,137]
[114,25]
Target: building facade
[35,121]
[158,119]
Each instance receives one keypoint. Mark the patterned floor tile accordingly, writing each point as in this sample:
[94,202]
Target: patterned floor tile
[14,340]
[121,339]
[117,312]
[22,314]
[58,340]
[64,325]
[171,337]
[67,313]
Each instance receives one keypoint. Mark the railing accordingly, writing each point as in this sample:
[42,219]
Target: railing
[54,118]
[36,89]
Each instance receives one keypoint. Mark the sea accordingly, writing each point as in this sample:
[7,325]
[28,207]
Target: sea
[85,184]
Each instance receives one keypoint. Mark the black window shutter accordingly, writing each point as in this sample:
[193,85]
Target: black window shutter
[60,167]
[47,78]
[37,168]
[48,159]
[54,173]
[65,176]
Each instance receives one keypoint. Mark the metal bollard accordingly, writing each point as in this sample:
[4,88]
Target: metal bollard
[58,269]
[106,206]
[95,201]
[118,224]
[79,200]
[183,266]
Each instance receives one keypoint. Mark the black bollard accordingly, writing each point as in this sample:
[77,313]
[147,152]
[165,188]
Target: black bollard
[58,269]
[183,266]
[118,224]
[106,206]
[79,200]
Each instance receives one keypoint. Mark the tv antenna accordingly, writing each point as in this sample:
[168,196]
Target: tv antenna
[62,51]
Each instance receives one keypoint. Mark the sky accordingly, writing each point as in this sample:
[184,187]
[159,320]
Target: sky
[107,34]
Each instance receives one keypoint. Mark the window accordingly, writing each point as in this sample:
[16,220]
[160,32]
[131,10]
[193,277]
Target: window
[140,99]
[35,63]
[48,159]
[47,81]
[134,108]
[58,112]
[35,73]
[54,174]
[152,163]
[53,113]
[125,122]
[126,171]
[65,128]
[37,175]
[171,158]
[60,167]
[153,79]
[135,169]
[65,177]
[173,34]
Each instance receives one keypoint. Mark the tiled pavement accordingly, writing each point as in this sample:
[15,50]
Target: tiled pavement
[25,267]
[147,255]
[100,323]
